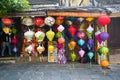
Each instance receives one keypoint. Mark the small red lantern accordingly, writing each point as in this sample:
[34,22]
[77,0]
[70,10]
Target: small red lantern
[72,30]
[38,21]
[103,20]
[7,21]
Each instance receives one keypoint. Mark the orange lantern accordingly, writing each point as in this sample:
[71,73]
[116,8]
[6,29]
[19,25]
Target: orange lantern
[104,63]
[7,21]
[61,40]
[59,20]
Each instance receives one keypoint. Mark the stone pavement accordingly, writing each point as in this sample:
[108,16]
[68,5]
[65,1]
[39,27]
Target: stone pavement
[54,71]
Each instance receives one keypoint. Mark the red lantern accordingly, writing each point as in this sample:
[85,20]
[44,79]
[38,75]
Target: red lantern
[55,29]
[72,30]
[7,21]
[103,20]
[38,21]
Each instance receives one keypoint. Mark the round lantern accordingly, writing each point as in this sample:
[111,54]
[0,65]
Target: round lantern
[38,21]
[51,48]
[104,36]
[27,21]
[59,20]
[61,40]
[49,21]
[59,46]
[58,34]
[104,50]
[103,20]
[104,63]
[7,21]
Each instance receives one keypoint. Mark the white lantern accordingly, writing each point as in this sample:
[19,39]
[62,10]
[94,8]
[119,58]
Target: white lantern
[39,36]
[27,21]
[29,35]
[49,21]
[60,28]
[90,29]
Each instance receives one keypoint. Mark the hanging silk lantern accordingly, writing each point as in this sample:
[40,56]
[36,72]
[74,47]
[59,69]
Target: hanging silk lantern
[29,49]
[81,42]
[104,50]
[90,43]
[80,19]
[72,44]
[97,36]
[62,50]
[69,23]
[90,29]
[60,28]
[15,49]
[55,29]
[7,21]
[89,35]
[59,20]
[49,21]
[104,63]
[24,41]
[90,55]
[29,35]
[61,40]
[81,35]
[50,35]
[73,56]
[59,46]
[38,21]
[40,49]
[72,30]
[58,34]
[104,36]
[81,53]
[50,48]
[14,30]
[27,21]
[39,36]
[104,20]
[6,30]
[14,40]
[89,19]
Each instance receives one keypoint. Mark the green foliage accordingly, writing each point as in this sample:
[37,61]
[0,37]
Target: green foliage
[11,6]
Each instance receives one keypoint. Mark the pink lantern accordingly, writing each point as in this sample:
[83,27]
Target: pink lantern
[80,35]
[81,53]
[14,40]
[59,46]
[72,30]
[103,20]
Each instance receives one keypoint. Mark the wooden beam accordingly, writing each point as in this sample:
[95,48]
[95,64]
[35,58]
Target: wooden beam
[75,14]
[115,15]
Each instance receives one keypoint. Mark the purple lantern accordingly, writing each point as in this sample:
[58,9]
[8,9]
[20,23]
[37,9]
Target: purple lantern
[104,36]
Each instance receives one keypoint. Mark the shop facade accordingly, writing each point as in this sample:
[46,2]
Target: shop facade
[60,34]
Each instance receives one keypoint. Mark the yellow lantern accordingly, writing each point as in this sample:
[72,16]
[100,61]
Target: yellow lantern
[50,35]
[51,48]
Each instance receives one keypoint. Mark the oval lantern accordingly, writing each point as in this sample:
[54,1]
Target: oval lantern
[51,48]
[104,50]
[27,21]
[104,36]
[72,30]
[59,46]
[61,40]
[90,55]
[81,53]
[81,42]
[40,49]
[58,34]
[50,35]
[7,21]
[104,63]
[38,21]
[49,21]
[59,20]
[103,20]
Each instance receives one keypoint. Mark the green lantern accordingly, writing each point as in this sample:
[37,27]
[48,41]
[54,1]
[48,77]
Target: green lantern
[73,56]
[58,35]
[50,35]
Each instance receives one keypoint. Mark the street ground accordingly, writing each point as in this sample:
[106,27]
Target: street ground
[55,71]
